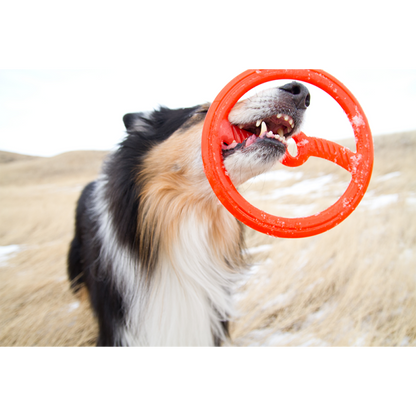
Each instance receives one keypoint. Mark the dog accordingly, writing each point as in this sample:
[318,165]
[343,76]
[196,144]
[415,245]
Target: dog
[157,252]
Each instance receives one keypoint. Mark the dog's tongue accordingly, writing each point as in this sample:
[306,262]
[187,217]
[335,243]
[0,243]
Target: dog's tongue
[228,133]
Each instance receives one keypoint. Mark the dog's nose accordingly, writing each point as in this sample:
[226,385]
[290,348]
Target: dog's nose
[299,94]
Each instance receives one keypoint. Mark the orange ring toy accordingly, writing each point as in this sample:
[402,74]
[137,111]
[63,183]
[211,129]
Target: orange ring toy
[217,129]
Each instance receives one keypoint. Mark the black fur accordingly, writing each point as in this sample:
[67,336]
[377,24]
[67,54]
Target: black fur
[123,196]
[84,268]
[122,169]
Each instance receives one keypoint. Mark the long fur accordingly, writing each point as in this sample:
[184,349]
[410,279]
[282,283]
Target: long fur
[157,252]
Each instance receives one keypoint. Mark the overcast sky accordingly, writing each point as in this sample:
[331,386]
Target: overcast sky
[45,111]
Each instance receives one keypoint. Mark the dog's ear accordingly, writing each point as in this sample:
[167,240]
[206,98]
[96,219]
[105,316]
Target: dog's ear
[131,119]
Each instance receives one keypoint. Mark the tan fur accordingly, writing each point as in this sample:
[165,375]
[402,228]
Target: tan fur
[176,187]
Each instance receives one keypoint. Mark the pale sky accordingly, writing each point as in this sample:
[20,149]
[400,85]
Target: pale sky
[46,112]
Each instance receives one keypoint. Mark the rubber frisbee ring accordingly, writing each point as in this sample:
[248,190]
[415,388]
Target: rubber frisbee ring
[217,129]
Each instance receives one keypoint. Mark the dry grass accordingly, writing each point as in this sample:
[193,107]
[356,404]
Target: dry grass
[37,213]
[354,285]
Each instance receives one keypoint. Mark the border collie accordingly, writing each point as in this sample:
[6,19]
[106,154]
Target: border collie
[157,252]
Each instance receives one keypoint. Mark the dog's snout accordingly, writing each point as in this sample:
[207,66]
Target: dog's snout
[299,94]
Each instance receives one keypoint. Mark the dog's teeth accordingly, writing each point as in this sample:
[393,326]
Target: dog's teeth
[280,132]
[291,122]
[263,128]
[258,123]
[286,118]
[280,138]
[279,116]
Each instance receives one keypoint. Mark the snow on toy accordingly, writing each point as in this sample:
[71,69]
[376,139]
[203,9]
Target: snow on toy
[359,164]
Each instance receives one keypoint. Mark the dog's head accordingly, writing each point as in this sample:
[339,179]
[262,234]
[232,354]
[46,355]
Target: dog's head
[271,117]
[268,119]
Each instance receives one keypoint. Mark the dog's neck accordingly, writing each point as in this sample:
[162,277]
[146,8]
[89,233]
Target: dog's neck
[191,286]
[191,289]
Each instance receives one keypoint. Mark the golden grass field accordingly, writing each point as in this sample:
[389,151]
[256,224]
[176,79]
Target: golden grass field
[352,286]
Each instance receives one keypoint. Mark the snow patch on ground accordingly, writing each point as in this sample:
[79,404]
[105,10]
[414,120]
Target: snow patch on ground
[378,202]
[305,187]
[276,175]
[388,176]
[7,252]
[74,305]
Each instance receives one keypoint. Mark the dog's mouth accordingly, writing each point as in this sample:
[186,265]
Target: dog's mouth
[274,130]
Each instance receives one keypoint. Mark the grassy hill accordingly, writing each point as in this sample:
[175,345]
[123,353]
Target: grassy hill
[22,170]
[9,157]
[354,285]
